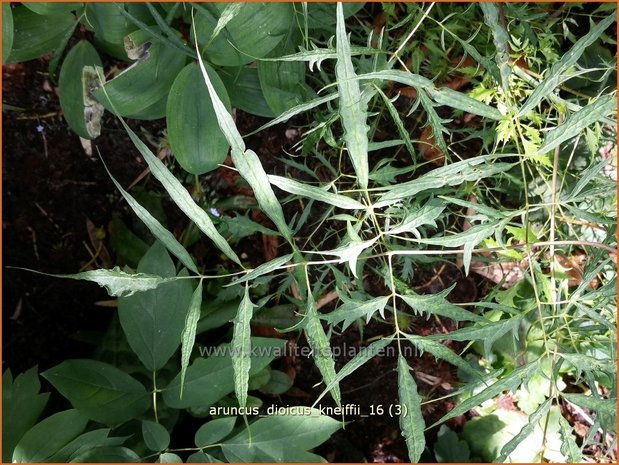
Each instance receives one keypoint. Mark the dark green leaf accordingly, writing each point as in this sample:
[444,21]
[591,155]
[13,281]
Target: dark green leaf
[214,431]
[156,437]
[411,419]
[7,31]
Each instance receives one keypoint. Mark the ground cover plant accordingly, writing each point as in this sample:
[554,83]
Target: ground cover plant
[355,232]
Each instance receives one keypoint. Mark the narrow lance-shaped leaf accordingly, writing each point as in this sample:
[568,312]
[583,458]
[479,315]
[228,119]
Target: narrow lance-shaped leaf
[353,110]
[189,333]
[321,350]
[558,72]
[411,418]
[441,352]
[435,122]
[241,348]
[576,122]
[500,39]
[156,228]
[364,355]
[295,187]
[263,269]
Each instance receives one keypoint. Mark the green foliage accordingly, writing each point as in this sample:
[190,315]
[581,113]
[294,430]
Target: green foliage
[520,192]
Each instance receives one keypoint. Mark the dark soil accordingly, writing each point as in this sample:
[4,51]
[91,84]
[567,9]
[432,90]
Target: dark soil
[51,188]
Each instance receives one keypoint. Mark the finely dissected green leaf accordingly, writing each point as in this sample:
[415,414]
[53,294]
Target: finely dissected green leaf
[569,448]
[117,282]
[363,356]
[353,109]
[441,352]
[509,382]
[153,320]
[559,71]
[412,424]
[251,169]
[488,333]
[576,122]
[297,188]
[350,252]
[321,349]
[44,439]
[469,238]
[442,96]
[195,137]
[189,333]
[437,304]
[606,409]
[395,116]
[181,197]
[419,217]
[99,391]
[241,348]
[252,33]
[157,229]
[82,112]
[281,438]
[144,83]
[501,41]
[435,122]
[22,405]
[352,310]
[35,35]
[532,424]
[210,379]
[7,31]
[264,269]
[214,431]
[451,175]
[156,436]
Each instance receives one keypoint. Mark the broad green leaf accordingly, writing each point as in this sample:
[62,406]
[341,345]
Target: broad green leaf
[240,226]
[100,392]
[298,188]
[283,82]
[441,352]
[241,348]
[419,217]
[453,174]
[254,31]
[251,169]
[412,424]
[279,383]
[243,87]
[322,15]
[214,431]
[7,31]
[202,457]
[352,310]
[85,442]
[188,337]
[35,35]
[281,438]
[210,379]
[169,457]
[144,83]
[488,333]
[117,282]
[51,8]
[156,436]
[442,96]
[263,269]
[193,132]
[508,382]
[157,229]
[364,355]
[527,429]
[153,320]
[22,405]
[501,42]
[559,71]
[155,111]
[181,197]
[576,122]
[47,437]
[82,112]
[449,448]
[108,23]
[353,109]
[321,349]
[108,455]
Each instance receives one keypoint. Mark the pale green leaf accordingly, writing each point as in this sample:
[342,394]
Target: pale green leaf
[241,348]
[189,333]
[353,109]
[501,41]
[412,424]
[297,188]
[352,310]
[441,352]
[569,448]
[559,71]
[419,217]
[576,122]
[264,269]
[214,431]
[435,122]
